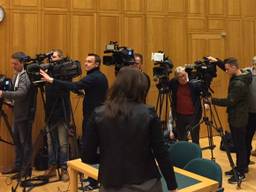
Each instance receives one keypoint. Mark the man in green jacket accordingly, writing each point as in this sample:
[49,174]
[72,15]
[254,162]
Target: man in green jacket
[237,104]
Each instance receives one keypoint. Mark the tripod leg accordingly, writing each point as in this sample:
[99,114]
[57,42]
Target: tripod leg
[7,124]
[231,162]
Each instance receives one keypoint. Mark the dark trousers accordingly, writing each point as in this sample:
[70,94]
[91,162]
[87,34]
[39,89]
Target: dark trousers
[251,127]
[22,135]
[185,124]
[84,125]
[239,139]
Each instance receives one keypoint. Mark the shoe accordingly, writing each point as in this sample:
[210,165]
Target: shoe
[231,173]
[89,187]
[253,153]
[22,174]
[64,175]
[232,180]
[50,172]
[10,171]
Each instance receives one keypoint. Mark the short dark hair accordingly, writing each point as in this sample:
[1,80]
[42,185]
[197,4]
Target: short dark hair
[139,55]
[59,51]
[97,58]
[20,56]
[232,61]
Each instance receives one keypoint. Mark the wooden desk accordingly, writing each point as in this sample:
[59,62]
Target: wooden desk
[202,184]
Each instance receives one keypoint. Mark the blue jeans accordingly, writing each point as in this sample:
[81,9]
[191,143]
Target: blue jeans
[57,140]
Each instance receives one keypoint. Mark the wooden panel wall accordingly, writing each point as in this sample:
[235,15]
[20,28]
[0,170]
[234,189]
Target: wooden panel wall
[185,29]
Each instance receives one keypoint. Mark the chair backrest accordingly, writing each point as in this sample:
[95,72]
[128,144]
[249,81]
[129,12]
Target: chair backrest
[183,152]
[206,168]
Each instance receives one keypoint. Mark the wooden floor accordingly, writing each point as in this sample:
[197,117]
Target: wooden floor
[248,186]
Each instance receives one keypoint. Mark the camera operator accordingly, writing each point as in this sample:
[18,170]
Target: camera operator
[23,101]
[58,118]
[186,105]
[237,104]
[138,64]
[251,126]
[95,86]
[129,137]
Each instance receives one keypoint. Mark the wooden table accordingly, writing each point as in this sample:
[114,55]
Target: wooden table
[202,184]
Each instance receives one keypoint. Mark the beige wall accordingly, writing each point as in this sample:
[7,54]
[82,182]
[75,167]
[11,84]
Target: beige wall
[185,29]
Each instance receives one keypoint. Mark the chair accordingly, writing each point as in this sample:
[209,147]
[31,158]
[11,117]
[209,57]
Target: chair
[206,168]
[183,152]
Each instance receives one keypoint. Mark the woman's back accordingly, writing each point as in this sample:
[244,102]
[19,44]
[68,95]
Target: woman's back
[129,136]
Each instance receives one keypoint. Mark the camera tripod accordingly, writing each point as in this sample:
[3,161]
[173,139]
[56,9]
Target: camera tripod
[213,122]
[41,180]
[6,122]
[210,122]
[163,103]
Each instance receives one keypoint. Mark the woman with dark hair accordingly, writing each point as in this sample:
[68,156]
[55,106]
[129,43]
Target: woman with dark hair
[128,135]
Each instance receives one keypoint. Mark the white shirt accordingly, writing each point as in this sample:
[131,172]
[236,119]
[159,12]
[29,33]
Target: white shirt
[16,84]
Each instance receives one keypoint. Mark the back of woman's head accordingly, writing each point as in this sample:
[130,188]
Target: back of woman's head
[129,87]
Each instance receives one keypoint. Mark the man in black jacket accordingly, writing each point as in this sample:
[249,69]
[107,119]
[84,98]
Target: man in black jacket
[94,84]
[237,109]
[138,64]
[186,105]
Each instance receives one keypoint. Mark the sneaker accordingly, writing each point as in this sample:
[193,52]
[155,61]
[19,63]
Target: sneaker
[232,180]
[64,175]
[89,187]
[231,173]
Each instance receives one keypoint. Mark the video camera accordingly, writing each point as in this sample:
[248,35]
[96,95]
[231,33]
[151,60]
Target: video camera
[203,71]
[5,85]
[64,69]
[162,68]
[120,56]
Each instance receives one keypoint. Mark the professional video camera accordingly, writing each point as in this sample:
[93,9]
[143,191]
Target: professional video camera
[62,69]
[5,85]
[162,68]
[121,56]
[203,71]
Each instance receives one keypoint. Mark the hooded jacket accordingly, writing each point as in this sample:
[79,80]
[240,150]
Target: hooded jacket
[237,101]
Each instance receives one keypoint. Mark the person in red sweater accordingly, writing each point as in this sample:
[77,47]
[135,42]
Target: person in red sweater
[186,105]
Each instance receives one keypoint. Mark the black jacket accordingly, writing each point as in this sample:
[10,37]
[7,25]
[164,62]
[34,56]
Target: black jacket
[95,86]
[57,104]
[128,147]
[195,88]
[237,99]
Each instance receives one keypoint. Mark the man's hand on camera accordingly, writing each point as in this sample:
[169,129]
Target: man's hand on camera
[212,59]
[45,76]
